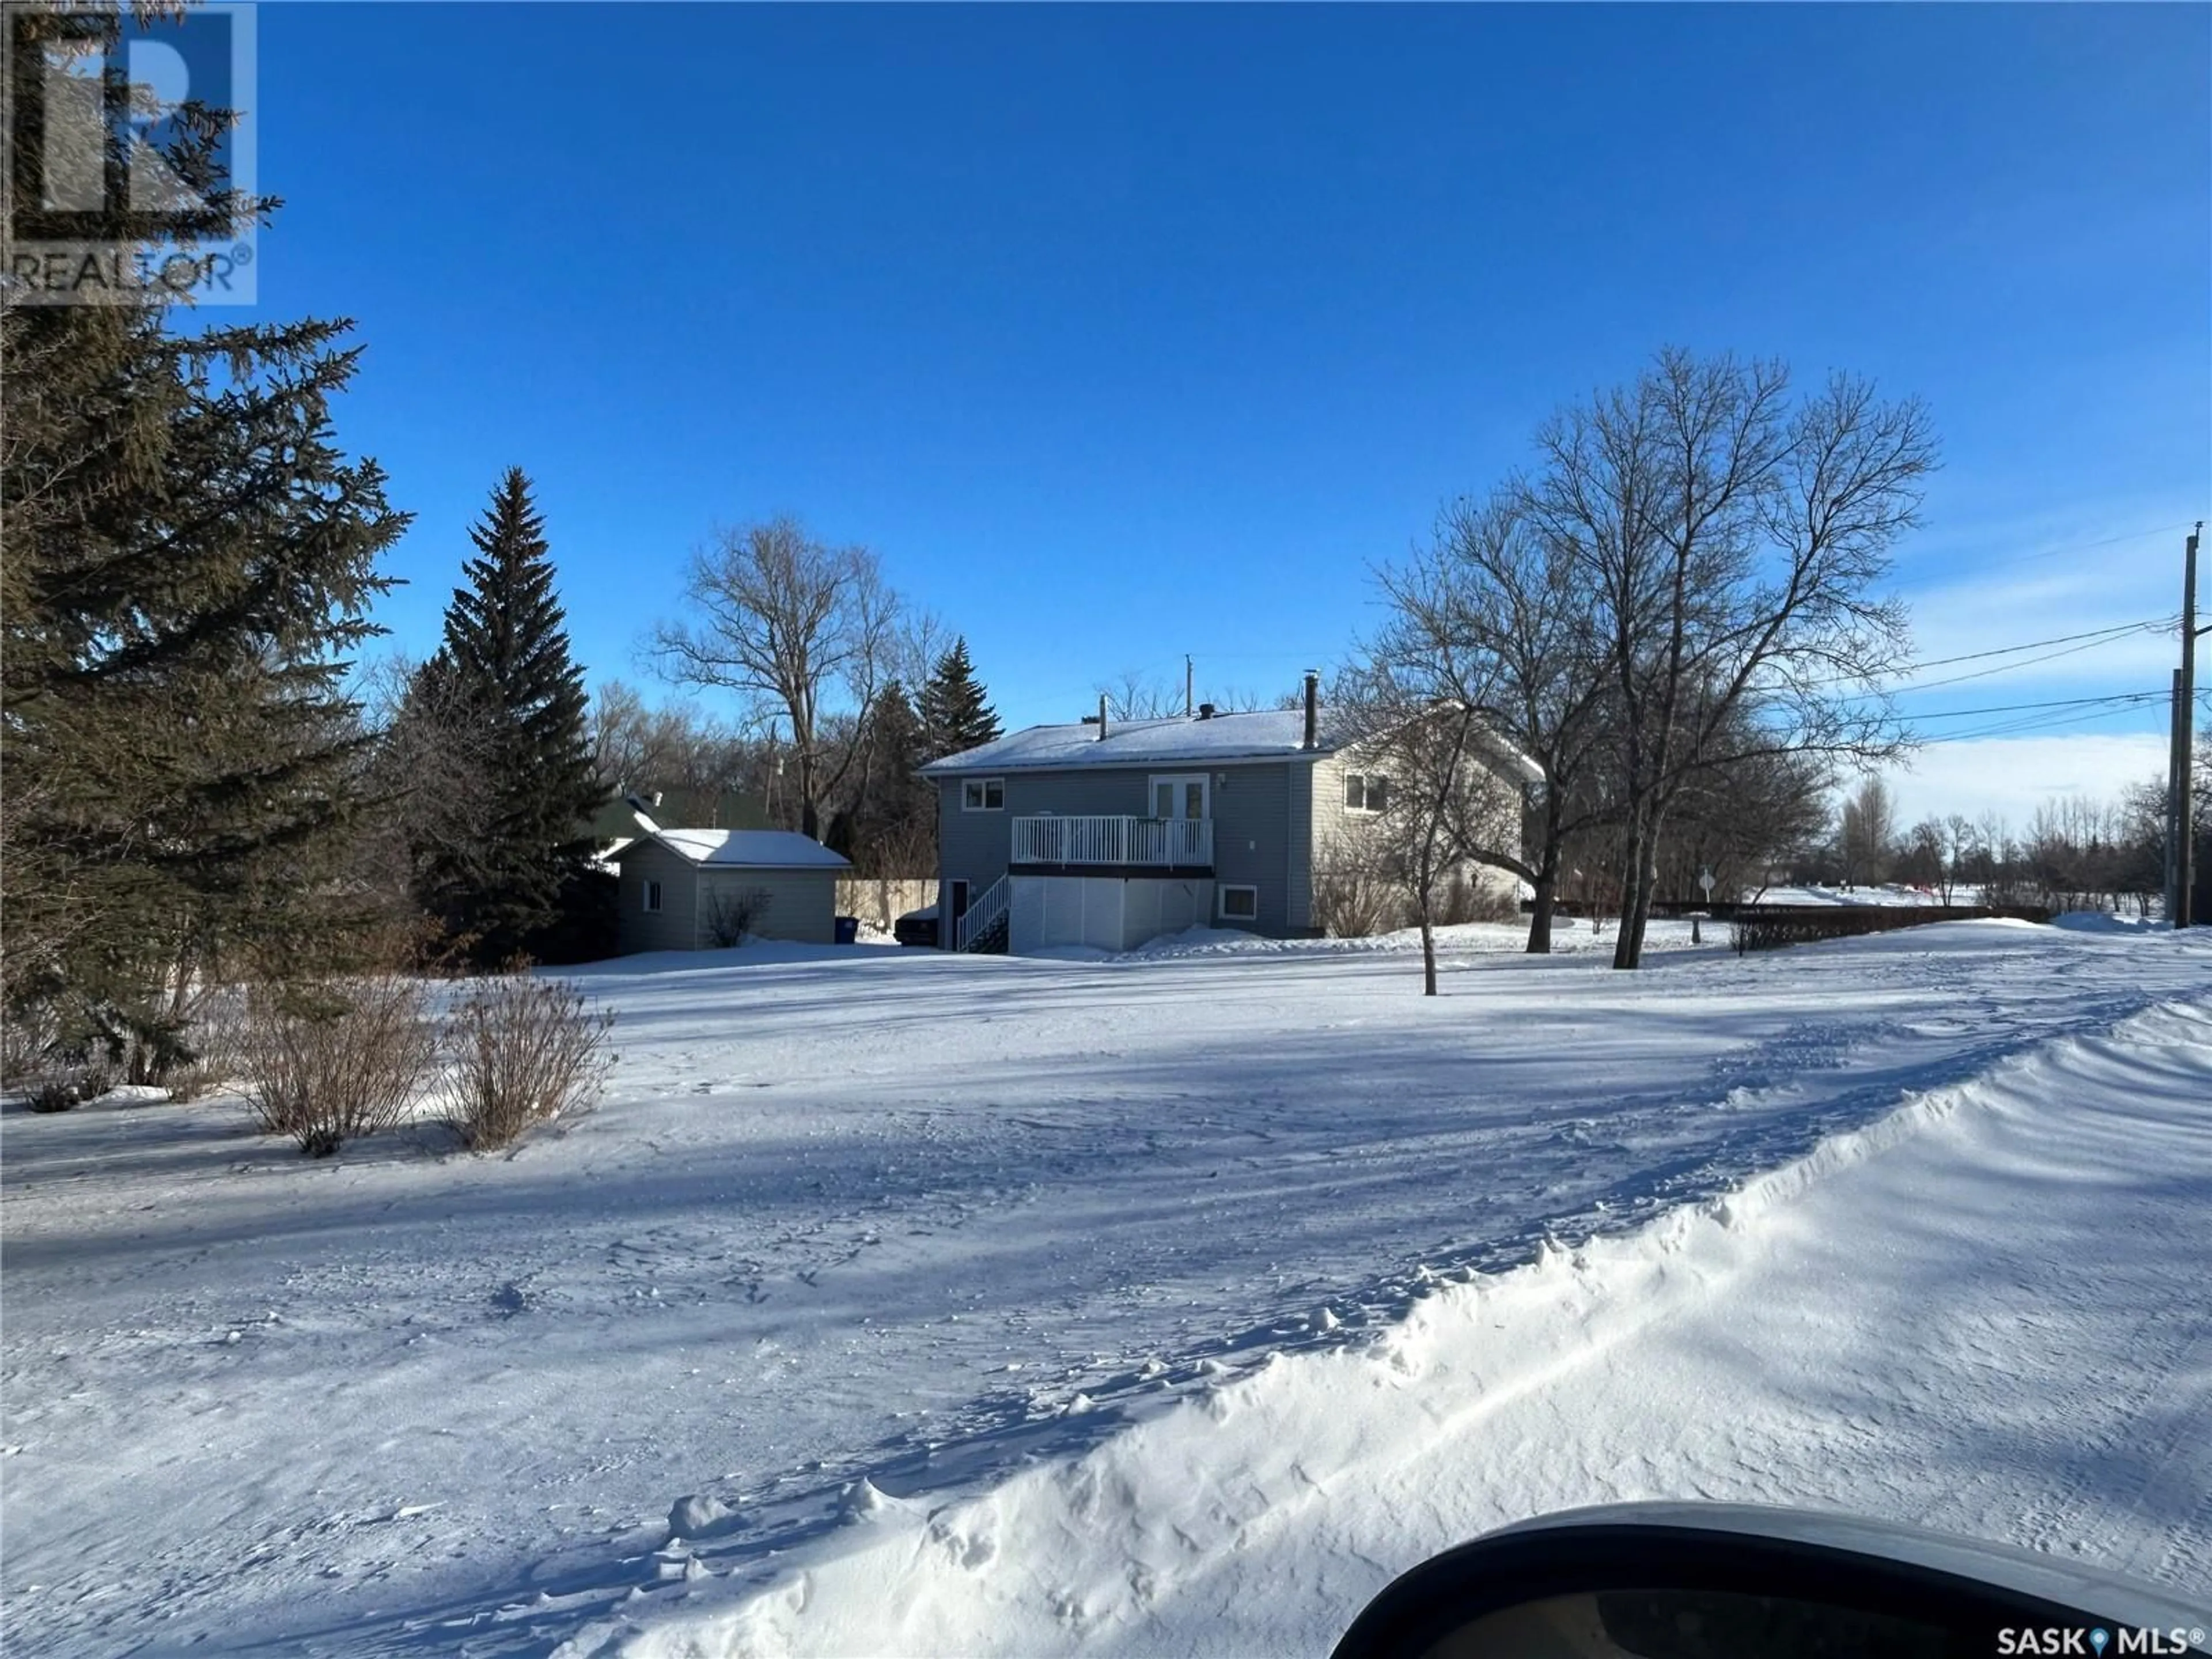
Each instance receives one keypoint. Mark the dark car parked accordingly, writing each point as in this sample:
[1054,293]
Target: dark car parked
[917,927]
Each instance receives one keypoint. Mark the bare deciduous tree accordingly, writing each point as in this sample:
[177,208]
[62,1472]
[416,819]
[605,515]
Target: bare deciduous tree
[1866,833]
[1130,695]
[1735,545]
[1493,617]
[1443,801]
[790,625]
[1738,817]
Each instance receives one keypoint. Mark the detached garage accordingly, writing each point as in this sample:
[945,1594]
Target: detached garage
[700,889]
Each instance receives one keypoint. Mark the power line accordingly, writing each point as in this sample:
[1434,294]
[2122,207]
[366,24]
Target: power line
[2079,547]
[2032,645]
[2094,636]
[2031,723]
[2113,638]
[2059,703]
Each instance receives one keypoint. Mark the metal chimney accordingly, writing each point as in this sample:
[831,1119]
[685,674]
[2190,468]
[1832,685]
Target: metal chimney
[1312,709]
[1102,717]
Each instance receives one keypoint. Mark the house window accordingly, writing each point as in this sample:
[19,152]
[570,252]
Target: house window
[1186,797]
[1366,792]
[652,898]
[1239,904]
[983,795]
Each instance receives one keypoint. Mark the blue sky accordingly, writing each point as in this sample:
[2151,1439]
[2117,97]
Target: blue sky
[1124,333]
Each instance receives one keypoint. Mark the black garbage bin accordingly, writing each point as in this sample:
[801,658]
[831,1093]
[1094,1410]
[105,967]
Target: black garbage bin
[848,930]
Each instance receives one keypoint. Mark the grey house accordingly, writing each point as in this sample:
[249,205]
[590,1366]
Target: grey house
[693,889]
[1109,834]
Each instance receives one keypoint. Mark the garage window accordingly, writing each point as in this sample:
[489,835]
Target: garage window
[1240,903]
[983,795]
[651,897]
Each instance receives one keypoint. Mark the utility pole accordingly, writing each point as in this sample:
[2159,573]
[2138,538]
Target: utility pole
[2173,804]
[2186,863]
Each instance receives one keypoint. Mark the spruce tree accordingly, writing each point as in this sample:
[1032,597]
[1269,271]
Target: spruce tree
[505,664]
[190,561]
[894,830]
[956,714]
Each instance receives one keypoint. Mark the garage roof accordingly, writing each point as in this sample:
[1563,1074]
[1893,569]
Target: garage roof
[752,849]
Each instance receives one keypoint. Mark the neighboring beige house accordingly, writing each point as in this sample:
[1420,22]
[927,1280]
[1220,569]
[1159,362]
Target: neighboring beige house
[697,890]
[1108,834]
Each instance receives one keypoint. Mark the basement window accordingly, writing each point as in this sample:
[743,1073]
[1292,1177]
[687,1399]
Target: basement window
[1366,792]
[652,898]
[983,795]
[1240,903]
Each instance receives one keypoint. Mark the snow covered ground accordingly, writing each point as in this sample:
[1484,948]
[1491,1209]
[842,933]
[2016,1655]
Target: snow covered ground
[1878,893]
[1166,1303]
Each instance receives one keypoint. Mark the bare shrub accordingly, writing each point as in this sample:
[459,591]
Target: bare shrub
[72,1086]
[1465,898]
[525,1050]
[29,1034]
[730,916]
[1351,902]
[331,1059]
[215,1041]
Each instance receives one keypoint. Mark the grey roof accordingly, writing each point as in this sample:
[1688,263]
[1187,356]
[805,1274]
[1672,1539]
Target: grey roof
[1263,734]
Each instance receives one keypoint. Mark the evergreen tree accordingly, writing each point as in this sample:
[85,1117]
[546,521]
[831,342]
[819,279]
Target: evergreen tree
[505,668]
[189,561]
[894,831]
[956,714]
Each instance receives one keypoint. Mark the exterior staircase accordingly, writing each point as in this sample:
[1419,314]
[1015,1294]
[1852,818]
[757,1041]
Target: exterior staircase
[984,926]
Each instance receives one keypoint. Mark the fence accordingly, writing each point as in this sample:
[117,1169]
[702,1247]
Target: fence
[882,900]
[1770,927]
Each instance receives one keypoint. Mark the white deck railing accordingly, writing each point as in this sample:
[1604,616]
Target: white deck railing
[1162,843]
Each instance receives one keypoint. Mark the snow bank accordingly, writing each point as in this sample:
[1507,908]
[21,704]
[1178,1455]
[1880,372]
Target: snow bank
[1259,1517]
[2104,921]
[1885,893]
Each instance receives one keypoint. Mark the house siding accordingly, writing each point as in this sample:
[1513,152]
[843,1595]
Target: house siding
[1251,804]
[1252,840]
[674,927]
[800,905]
[1335,833]
[976,847]
[1298,851]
